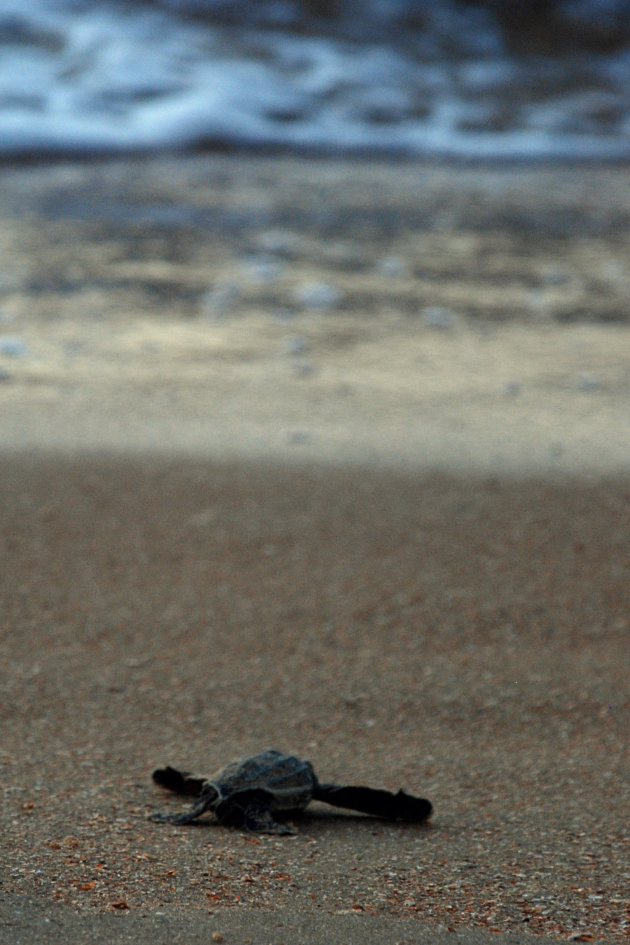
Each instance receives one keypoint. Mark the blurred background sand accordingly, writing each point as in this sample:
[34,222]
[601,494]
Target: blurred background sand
[396,314]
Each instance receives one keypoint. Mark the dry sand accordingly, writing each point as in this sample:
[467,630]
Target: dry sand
[391,540]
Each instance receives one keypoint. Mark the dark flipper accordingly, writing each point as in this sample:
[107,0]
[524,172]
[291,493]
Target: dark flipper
[250,813]
[261,820]
[207,801]
[251,810]
[180,820]
[383,804]
[182,782]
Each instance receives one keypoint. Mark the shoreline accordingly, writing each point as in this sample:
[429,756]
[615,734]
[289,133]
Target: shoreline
[248,306]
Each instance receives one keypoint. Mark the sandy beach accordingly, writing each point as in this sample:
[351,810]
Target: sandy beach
[332,458]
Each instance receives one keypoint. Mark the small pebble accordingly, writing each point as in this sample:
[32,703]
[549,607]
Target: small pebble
[537,300]
[391,266]
[263,268]
[280,242]
[299,436]
[217,937]
[304,367]
[554,277]
[318,295]
[220,301]
[440,318]
[12,347]
[284,314]
[587,381]
[344,253]
[295,345]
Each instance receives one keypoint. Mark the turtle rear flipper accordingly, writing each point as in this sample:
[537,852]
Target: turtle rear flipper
[260,820]
[182,782]
[251,810]
[385,804]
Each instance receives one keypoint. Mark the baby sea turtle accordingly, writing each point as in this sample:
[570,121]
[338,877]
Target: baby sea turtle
[250,792]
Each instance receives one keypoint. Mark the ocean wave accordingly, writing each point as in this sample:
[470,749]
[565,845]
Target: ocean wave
[80,77]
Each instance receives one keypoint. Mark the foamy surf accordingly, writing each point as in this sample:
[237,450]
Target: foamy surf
[88,78]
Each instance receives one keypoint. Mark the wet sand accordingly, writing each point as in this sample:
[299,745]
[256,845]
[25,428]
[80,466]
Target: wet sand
[392,541]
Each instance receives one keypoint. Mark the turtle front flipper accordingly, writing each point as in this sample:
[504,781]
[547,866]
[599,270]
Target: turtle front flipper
[385,804]
[180,820]
[206,802]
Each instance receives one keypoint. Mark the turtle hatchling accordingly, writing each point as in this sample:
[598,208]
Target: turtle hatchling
[250,793]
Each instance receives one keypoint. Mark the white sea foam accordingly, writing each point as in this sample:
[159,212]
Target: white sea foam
[83,77]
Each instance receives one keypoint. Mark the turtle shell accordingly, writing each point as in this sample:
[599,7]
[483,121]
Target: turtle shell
[288,781]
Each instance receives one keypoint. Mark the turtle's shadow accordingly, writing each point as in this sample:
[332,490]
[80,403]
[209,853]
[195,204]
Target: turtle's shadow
[319,821]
